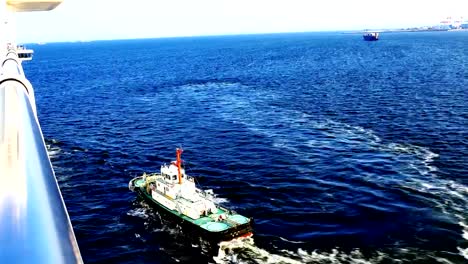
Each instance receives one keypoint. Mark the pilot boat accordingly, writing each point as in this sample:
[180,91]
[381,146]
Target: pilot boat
[174,194]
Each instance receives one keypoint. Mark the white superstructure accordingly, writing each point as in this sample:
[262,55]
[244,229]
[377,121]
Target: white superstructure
[177,191]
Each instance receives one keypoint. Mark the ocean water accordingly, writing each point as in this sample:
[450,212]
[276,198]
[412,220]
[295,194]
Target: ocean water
[343,151]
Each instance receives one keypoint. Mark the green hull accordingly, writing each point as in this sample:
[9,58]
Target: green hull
[210,227]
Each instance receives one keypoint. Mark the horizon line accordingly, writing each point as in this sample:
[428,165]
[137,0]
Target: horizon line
[348,31]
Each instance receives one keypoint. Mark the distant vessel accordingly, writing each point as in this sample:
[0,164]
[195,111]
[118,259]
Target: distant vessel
[174,194]
[24,53]
[464,25]
[371,36]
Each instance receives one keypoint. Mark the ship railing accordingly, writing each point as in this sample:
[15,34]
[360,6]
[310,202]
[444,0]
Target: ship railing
[34,223]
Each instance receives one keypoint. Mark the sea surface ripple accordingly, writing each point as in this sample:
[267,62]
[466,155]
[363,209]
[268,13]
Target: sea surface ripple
[343,151]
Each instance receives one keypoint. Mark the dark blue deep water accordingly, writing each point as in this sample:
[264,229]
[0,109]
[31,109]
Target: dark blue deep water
[341,150]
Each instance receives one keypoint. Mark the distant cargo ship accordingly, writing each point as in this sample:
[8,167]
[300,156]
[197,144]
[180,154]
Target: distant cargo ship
[373,36]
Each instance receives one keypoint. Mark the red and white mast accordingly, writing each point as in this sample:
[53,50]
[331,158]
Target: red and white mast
[179,163]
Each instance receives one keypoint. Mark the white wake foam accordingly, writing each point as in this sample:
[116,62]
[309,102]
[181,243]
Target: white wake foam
[220,200]
[244,250]
[233,252]
[300,134]
[53,151]
[464,251]
[138,212]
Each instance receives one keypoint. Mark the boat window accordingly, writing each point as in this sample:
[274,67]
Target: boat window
[174,177]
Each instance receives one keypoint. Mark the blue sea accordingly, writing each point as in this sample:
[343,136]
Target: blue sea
[343,151]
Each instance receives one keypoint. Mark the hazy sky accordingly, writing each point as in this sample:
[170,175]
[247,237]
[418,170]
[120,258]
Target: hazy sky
[118,19]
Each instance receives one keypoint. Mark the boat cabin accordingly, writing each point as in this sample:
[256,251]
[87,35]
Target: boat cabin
[23,53]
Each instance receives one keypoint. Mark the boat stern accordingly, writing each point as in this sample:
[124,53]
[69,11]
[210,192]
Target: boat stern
[136,183]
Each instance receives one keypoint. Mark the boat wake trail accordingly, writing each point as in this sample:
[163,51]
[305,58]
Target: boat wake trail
[244,250]
[139,212]
[352,157]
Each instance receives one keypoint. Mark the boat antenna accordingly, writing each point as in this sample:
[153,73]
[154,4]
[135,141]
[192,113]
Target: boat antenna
[187,167]
[179,163]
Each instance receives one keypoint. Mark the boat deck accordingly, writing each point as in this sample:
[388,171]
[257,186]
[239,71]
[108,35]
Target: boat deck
[217,221]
